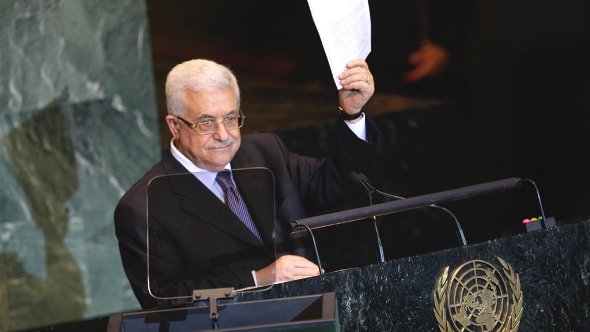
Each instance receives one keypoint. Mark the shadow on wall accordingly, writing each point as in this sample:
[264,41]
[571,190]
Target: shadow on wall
[43,161]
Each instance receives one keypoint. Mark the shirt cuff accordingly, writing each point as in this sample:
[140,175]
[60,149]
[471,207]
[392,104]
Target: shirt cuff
[254,277]
[358,128]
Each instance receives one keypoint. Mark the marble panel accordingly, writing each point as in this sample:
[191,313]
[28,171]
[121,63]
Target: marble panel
[78,125]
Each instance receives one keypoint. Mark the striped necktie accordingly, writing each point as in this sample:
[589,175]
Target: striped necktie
[234,201]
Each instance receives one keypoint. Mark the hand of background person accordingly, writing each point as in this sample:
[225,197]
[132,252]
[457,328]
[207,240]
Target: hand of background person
[286,268]
[357,86]
[429,61]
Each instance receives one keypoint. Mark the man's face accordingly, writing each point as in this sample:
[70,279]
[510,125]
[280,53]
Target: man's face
[208,151]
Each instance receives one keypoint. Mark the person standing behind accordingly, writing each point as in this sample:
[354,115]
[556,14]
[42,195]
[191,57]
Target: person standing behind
[197,248]
[418,46]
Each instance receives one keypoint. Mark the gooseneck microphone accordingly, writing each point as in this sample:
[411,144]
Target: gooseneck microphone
[540,202]
[364,181]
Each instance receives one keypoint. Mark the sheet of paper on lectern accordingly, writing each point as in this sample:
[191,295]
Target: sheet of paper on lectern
[344,27]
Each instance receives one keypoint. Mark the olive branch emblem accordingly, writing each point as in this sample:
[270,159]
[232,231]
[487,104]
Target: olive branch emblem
[517,301]
[439,297]
[486,291]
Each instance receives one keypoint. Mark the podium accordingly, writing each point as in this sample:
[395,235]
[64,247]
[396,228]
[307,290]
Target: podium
[552,267]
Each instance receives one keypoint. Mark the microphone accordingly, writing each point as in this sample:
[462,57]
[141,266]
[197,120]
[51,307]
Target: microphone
[359,178]
[546,222]
[364,181]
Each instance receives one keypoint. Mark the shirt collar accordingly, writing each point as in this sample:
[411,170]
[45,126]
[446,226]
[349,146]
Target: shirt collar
[207,177]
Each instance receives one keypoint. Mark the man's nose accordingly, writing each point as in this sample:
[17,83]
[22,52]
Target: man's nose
[221,133]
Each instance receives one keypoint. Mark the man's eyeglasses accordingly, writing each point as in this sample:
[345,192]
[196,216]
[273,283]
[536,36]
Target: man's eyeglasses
[209,126]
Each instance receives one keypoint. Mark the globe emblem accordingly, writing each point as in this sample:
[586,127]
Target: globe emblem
[478,298]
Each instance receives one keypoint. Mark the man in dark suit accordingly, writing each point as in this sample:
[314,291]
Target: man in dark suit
[194,238]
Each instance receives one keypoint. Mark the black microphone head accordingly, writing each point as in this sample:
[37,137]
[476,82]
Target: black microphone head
[358,177]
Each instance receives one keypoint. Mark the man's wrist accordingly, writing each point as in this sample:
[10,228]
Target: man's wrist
[348,117]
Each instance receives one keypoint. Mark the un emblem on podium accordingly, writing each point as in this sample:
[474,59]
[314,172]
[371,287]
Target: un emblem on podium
[478,296]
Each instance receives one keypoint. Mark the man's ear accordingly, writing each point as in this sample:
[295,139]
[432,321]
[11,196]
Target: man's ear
[172,123]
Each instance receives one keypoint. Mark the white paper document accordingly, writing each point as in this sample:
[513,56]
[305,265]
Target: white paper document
[344,27]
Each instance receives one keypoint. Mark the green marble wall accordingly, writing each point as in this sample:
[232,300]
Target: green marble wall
[77,127]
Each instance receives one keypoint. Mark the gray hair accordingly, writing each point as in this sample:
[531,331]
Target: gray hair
[197,76]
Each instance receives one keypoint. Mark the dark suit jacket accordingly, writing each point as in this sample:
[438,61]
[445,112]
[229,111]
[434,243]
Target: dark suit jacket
[196,242]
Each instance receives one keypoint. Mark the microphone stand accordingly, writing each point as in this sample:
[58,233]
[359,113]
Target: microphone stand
[546,222]
[336,218]
[406,204]
[370,190]
[455,219]
[314,244]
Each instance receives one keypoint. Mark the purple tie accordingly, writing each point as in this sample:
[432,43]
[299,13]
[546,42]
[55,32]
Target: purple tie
[234,201]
